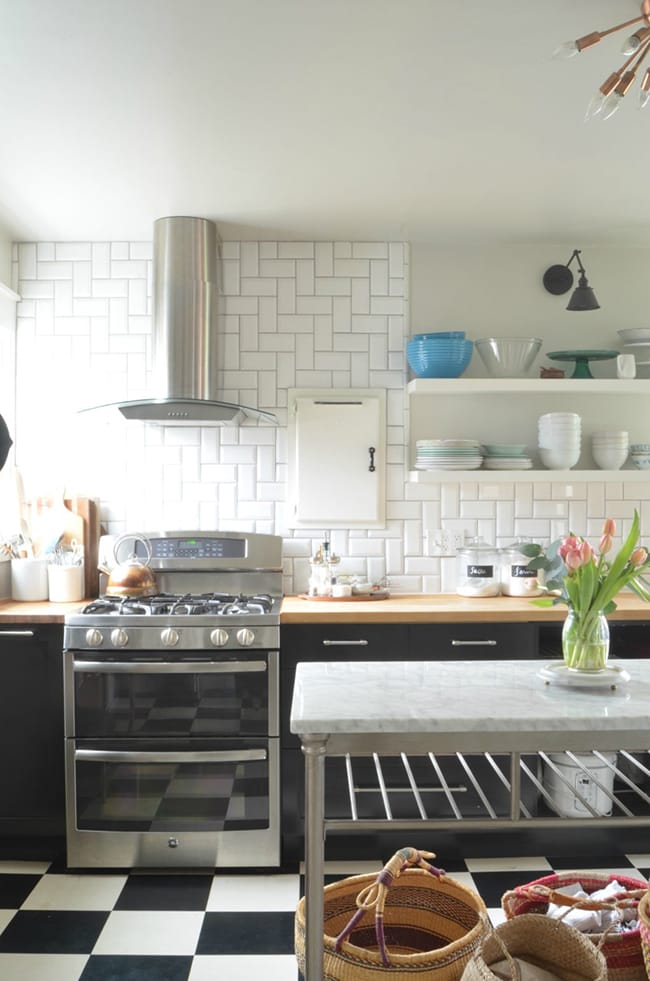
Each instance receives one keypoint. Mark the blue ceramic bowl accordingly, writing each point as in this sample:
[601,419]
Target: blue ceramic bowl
[439,359]
[440,335]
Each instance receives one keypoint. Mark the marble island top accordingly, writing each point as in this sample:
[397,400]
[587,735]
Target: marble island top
[466,699]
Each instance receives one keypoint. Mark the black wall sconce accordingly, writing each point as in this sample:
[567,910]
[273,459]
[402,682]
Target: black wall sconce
[559,279]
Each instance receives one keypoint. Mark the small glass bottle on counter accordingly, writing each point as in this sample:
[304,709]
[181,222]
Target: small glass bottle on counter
[478,569]
[516,578]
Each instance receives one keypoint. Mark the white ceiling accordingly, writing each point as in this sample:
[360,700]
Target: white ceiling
[426,120]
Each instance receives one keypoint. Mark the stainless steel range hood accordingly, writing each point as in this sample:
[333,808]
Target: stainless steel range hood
[184,331]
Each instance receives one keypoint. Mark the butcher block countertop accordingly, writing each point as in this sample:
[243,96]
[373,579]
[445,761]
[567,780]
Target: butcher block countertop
[13,612]
[441,608]
[411,608]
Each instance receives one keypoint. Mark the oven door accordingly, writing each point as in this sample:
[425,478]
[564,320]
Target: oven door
[194,695]
[185,803]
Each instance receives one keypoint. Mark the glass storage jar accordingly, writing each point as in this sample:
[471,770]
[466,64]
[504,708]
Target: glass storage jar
[478,569]
[516,578]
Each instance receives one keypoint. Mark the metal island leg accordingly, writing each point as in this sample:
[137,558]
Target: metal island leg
[314,749]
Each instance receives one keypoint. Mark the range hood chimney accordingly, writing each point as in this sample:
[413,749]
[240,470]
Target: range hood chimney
[185,298]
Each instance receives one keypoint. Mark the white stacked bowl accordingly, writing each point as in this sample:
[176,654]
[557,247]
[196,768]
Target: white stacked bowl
[558,439]
[610,448]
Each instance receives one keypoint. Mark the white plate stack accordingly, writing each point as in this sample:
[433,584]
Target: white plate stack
[448,454]
[610,448]
[558,439]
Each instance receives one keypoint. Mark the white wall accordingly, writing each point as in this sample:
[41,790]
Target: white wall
[498,292]
[307,314]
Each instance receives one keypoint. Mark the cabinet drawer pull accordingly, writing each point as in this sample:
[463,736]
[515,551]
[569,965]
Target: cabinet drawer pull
[16,633]
[345,643]
[473,643]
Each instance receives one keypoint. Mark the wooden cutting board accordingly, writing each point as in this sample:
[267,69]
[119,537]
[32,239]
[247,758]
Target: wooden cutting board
[87,508]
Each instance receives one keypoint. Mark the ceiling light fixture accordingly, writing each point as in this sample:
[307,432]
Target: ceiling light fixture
[610,94]
[559,279]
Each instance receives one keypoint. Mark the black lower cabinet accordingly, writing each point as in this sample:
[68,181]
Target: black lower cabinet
[376,642]
[32,801]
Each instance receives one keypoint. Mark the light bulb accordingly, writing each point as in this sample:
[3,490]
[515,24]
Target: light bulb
[631,44]
[611,105]
[595,106]
[644,98]
[567,50]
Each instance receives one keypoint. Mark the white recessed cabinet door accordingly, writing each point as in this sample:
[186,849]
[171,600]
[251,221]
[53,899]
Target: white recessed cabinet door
[337,458]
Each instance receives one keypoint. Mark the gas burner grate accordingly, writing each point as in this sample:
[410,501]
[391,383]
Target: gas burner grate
[188,604]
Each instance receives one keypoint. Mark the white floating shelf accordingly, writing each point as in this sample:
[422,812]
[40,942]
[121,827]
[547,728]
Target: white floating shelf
[529,386]
[536,476]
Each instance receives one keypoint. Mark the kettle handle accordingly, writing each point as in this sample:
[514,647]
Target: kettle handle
[133,537]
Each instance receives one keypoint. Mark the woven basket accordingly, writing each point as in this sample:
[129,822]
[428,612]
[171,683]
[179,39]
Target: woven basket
[403,923]
[622,951]
[542,941]
[644,926]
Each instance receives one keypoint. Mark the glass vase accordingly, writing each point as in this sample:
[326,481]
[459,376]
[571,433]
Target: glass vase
[585,641]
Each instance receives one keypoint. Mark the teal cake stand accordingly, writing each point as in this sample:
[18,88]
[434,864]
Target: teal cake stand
[581,359]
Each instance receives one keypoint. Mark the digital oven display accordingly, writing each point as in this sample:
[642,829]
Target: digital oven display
[199,548]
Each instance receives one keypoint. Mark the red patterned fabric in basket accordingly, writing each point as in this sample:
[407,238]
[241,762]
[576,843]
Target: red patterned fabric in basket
[622,951]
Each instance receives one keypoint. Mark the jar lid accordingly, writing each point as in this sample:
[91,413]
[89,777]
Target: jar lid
[477,544]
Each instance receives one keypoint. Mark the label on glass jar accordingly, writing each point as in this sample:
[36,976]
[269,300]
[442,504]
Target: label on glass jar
[522,572]
[480,571]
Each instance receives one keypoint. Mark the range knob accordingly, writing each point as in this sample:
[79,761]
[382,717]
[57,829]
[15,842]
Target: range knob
[169,637]
[119,637]
[245,636]
[219,637]
[94,637]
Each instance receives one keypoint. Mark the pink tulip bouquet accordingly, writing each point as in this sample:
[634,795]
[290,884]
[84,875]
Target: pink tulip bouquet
[587,579]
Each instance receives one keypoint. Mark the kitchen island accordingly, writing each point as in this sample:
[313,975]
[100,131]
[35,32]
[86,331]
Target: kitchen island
[437,708]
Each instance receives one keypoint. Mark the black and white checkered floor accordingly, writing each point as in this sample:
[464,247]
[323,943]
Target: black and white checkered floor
[58,926]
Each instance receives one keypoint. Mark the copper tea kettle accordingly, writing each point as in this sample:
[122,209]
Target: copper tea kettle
[132,577]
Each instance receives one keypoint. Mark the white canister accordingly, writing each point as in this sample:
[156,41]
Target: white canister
[29,580]
[478,569]
[516,578]
[65,583]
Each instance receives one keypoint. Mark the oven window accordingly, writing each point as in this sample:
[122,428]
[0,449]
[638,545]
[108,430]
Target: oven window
[132,795]
[118,704]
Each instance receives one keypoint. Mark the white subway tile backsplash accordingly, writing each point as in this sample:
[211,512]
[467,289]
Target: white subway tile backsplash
[100,254]
[249,259]
[45,251]
[292,315]
[286,293]
[278,267]
[295,250]
[258,287]
[360,299]
[324,258]
[268,314]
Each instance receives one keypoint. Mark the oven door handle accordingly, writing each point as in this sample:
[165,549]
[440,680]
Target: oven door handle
[169,667]
[195,756]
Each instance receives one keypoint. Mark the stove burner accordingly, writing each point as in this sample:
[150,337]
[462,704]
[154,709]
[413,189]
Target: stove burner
[190,604]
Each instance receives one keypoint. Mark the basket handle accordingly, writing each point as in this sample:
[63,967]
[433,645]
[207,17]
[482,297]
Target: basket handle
[622,900]
[374,895]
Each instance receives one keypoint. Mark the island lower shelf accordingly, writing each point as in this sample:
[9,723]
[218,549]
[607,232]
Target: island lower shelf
[486,791]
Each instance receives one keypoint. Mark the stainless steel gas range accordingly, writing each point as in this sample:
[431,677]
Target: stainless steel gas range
[171,711]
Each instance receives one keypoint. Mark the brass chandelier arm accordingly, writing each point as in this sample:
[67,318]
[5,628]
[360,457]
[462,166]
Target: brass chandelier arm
[596,36]
[628,77]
